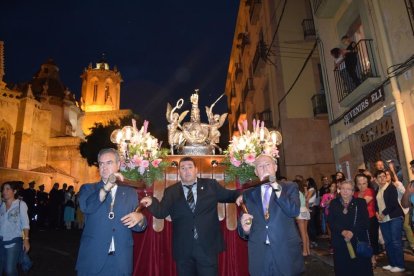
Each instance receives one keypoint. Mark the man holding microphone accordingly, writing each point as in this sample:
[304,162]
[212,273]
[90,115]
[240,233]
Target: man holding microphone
[107,244]
[269,226]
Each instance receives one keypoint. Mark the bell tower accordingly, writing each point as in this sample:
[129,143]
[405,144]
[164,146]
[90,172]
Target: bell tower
[101,88]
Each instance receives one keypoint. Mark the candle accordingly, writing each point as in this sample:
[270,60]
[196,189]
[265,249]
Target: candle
[261,134]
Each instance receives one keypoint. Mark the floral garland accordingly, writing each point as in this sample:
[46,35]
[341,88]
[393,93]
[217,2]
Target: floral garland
[141,154]
[244,149]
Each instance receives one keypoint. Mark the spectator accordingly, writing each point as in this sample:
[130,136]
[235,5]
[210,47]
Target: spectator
[324,190]
[69,211]
[29,196]
[348,220]
[42,204]
[312,198]
[390,216]
[53,204]
[325,203]
[408,198]
[392,177]
[303,218]
[13,222]
[368,194]
[351,59]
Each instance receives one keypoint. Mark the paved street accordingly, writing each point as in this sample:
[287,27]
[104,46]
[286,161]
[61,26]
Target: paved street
[54,253]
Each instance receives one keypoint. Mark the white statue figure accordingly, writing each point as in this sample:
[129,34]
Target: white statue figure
[215,122]
[175,135]
[195,112]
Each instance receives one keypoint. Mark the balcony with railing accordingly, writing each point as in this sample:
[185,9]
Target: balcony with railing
[266,117]
[357,74]
[248,88]
[238,71]
[254,10]
[259,58]
[243,41]
[319,104]
[308,29]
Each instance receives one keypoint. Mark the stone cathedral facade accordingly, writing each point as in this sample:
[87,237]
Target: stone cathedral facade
[42,124]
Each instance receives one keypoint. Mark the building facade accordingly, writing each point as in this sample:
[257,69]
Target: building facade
[274,75]
[369,86]
[42,125]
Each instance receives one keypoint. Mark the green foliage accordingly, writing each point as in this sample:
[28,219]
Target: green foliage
[150,174]
[243,174]
[99,138]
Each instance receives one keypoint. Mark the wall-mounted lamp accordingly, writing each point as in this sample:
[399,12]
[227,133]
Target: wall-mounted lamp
[214,163]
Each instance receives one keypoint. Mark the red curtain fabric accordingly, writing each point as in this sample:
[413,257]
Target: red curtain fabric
[153,252]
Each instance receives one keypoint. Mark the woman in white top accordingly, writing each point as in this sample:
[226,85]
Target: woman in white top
[13,222]
[303,218]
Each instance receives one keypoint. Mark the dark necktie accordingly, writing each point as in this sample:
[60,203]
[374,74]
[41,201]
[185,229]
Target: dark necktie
[190,197]
[191,203]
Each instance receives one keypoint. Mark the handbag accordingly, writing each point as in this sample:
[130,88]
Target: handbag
[363,249]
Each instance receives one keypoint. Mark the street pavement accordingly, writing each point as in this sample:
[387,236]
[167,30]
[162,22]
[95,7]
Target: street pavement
[54,253]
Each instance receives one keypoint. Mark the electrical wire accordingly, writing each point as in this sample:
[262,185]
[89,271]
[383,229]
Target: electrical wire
[296,79]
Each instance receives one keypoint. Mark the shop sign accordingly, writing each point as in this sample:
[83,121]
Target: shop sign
[376,131]
[363,105]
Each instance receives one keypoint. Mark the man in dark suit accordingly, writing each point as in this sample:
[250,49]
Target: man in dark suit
[106,245]
[29,196]
[192,205]
[273,240]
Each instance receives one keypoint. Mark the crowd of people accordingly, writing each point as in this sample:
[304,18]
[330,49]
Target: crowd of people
[281,219]
[56,209]
[373,207]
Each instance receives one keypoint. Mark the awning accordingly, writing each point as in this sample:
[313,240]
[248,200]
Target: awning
[374,116]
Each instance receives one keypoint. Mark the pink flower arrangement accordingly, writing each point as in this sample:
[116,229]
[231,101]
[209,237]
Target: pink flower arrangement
[244,149]
[141,154]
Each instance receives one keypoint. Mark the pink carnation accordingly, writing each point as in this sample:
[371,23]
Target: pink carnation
[137,160]
[235,162]
[155,163]
[144,164]
[249,158]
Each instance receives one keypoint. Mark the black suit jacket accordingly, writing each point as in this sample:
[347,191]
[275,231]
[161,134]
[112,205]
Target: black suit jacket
[392,205]
[204,218]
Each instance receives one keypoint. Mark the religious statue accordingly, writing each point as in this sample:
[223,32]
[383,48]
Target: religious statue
[215,121]
[175,135]
[194,137]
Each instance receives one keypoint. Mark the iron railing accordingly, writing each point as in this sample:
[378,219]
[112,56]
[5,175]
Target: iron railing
[259,56]
[319,104]
[308,28]
[355,68]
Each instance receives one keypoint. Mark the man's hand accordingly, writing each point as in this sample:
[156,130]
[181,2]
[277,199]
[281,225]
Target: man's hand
[239,200]
[246,222]
[276,186]
[347,234]
[146,201]
[132,219]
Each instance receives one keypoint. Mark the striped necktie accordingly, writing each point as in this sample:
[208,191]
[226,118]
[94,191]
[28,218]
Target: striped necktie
[190,197]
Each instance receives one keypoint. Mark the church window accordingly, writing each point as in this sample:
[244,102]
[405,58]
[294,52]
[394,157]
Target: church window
[106,92]
[4,142]
[95,92]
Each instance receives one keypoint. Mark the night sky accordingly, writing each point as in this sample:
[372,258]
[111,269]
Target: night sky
[163,49]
